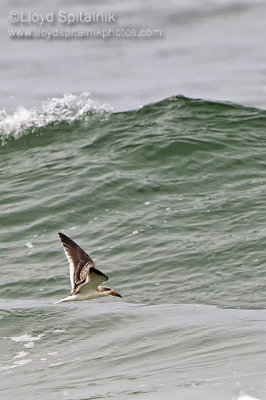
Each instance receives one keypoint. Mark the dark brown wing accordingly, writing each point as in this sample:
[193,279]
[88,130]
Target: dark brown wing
[77,259]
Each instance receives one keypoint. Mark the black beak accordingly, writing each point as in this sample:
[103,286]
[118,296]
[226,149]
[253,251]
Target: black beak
[113,293]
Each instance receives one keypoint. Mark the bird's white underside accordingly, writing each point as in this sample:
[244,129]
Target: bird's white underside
[92,294]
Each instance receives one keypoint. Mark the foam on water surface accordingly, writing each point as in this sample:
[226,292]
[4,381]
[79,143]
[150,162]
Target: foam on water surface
[68,108]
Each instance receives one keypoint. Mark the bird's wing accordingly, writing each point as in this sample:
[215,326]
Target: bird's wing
[88,278]
[77,259]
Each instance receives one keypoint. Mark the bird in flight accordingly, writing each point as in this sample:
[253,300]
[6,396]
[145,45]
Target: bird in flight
[84,277]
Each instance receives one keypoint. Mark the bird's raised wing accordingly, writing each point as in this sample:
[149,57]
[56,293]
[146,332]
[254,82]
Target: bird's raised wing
[79,261]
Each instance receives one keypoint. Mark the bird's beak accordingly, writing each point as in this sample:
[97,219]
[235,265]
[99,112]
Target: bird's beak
[113,293]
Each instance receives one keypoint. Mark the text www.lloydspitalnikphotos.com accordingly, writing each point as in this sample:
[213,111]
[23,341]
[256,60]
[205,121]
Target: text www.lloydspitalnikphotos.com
[60,25]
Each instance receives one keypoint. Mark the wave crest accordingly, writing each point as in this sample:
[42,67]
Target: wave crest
[68,108]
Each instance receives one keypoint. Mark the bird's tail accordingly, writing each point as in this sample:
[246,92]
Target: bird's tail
[67,298]
[58,301]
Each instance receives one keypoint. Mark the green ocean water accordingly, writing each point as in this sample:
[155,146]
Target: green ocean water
[169,201]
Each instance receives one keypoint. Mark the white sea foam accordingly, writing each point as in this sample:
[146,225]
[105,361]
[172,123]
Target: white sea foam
[68,108]
[21,354]
[245,397]
[29,345]
[56,364]
[22,362]
[16,364]
[28,340]
[59,330]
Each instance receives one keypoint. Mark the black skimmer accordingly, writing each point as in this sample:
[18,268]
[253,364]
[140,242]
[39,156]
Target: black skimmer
[84,277]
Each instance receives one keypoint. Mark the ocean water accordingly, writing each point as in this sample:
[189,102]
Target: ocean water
[210,49]
[169,200]
[151,155]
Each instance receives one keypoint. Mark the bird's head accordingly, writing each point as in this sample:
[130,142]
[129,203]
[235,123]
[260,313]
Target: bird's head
[105,291]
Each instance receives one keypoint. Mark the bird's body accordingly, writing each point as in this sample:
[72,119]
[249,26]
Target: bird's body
[84,277]
[93,294]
